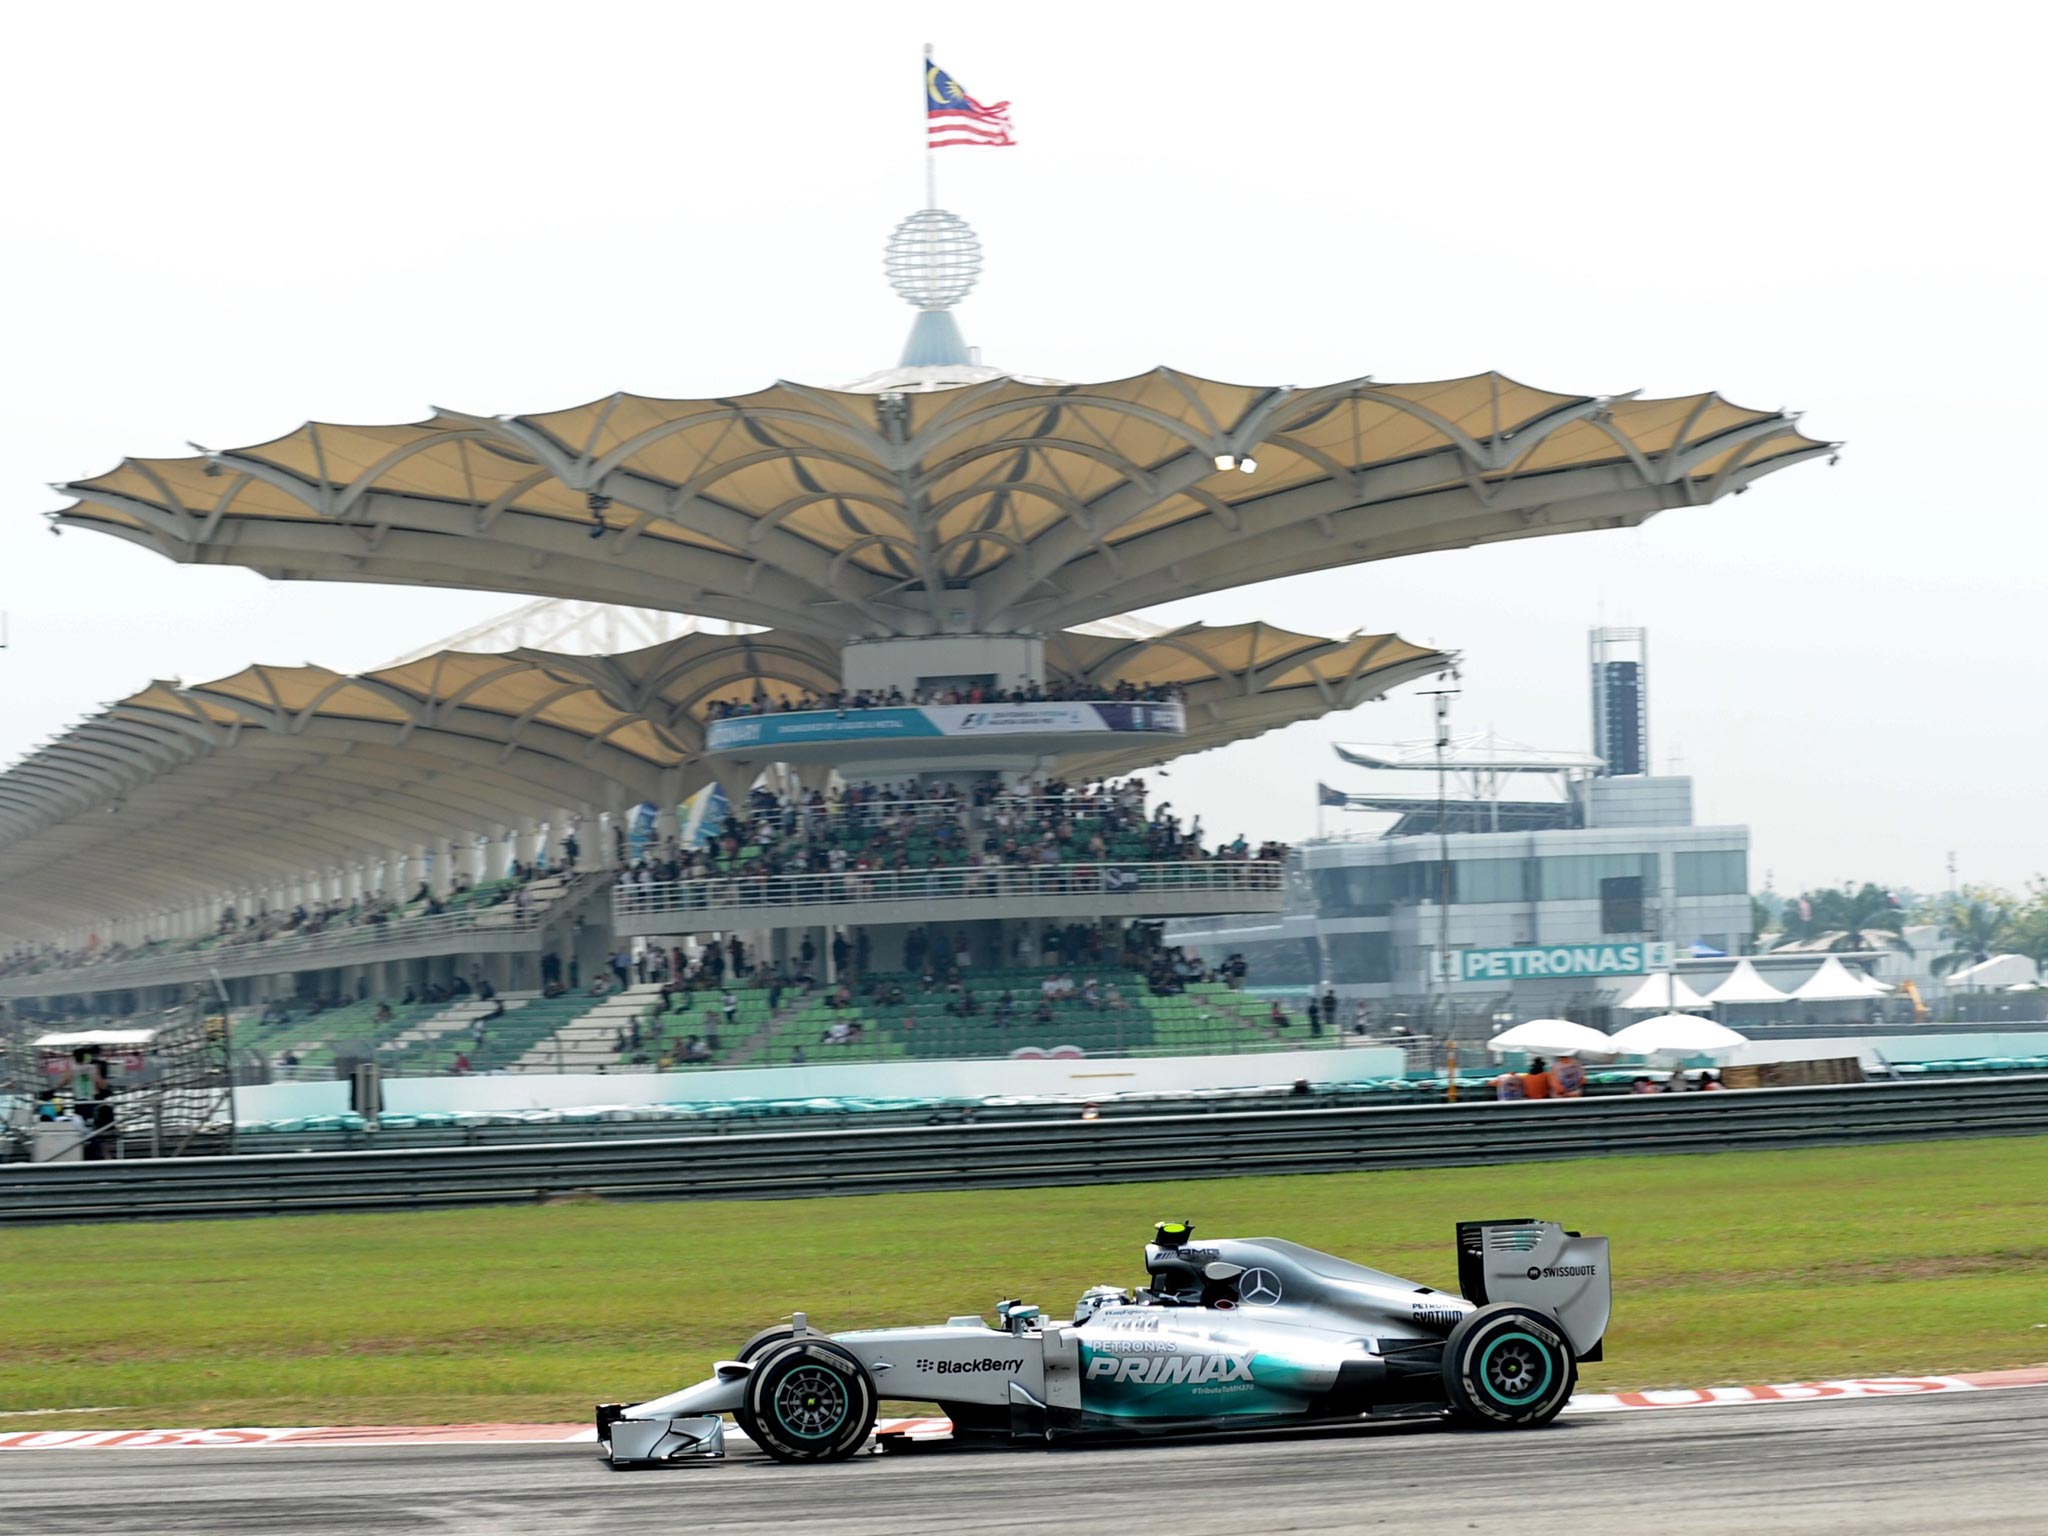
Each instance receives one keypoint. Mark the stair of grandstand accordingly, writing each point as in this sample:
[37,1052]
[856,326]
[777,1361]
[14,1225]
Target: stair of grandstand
[431,1043]
[506,1040]
[592,1039]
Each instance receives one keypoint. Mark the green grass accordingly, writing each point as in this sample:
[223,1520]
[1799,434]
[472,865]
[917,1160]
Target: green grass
[1729,1268]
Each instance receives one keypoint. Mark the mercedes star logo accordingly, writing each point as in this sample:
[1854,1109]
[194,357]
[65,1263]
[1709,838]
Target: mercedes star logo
[1259,1288]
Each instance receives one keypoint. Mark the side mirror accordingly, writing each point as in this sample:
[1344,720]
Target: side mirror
[1221,1272]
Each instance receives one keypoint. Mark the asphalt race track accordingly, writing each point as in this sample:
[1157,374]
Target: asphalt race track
[1963,1462]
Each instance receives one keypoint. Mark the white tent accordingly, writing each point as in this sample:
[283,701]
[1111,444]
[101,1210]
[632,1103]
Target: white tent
[1676,1034]
[1744,985]
[2006,971]
[1556,1037]
[1834,982]
[1666,990]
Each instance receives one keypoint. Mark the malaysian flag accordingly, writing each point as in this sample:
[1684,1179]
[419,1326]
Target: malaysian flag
[951,116]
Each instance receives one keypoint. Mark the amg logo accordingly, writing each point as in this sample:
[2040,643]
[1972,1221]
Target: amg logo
[1563,1271]
[958,1367]
[1170,1370]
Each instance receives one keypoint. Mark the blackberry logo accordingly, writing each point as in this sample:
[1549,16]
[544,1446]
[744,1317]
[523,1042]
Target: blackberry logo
[960,1367]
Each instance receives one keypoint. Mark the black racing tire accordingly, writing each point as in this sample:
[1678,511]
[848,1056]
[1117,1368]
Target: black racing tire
[774,1334]
[809,1399]
[1508,1367]
[761,1340]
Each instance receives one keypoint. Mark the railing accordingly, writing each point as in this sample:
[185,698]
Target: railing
[1026,1153]
[1077,807]
[866,813]
[176,963]
[953,883]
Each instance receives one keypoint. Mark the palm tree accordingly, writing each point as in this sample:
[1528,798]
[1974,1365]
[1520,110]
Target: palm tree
[1976,925]
[1868,918]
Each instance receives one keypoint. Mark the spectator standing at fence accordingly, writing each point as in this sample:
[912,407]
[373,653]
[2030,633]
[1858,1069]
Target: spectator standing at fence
[1567,1079]
[1536,1081]
[1508,1086]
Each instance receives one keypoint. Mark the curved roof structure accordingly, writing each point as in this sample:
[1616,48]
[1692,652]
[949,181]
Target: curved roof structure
[997,507]
[179,793]
[277,772]
[1240,680]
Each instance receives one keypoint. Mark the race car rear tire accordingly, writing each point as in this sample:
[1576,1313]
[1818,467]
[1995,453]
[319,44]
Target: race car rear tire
[808,1400]
[1508,1367]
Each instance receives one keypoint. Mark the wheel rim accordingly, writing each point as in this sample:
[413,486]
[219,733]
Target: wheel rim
[811,1402]
[1515,1369]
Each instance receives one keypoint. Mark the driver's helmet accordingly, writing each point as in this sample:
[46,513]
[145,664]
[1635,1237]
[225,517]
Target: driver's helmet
[1094,1299]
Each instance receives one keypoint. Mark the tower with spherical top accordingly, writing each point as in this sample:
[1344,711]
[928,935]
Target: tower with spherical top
[932,260]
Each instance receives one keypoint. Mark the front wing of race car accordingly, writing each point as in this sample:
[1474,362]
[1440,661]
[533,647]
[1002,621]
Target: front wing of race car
[683,1424]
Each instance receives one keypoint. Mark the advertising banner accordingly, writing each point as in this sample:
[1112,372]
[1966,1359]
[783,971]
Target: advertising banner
[1562,960]
[928,722]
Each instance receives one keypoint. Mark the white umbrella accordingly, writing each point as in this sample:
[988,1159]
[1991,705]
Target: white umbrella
[1675,1034]
[1556,1037]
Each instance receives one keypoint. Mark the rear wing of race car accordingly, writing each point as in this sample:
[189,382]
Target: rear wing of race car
[1539,1264]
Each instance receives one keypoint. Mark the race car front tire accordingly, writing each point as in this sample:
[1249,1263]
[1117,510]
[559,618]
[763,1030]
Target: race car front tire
[774,1334]
[1508,1367]
[758,1344]
[808,1400]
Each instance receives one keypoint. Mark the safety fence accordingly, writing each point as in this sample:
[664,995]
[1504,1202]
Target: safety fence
[1013,1154]
[1230,877]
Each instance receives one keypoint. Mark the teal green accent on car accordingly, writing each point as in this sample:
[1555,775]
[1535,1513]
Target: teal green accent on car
[1190,1383]
[1486,1376]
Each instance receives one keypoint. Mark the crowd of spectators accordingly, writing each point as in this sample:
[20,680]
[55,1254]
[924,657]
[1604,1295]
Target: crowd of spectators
[1056,690]
[860,830]
[234,927]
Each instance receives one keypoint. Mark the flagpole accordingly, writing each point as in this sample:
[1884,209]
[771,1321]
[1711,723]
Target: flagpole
[931,169]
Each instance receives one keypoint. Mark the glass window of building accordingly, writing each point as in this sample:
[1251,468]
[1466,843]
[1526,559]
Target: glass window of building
[1711,874]
[1577,877]
[1360,957]
[1483,880]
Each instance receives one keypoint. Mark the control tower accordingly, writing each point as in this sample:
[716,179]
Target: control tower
[1620,664]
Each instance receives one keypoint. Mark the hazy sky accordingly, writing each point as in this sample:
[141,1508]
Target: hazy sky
[217,221]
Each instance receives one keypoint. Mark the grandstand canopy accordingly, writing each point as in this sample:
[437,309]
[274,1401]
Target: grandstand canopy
[996,507]
[1241,680]
[179,792]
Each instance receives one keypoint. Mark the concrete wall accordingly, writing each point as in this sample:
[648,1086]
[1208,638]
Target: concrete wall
[1012,660]
[1082,1077]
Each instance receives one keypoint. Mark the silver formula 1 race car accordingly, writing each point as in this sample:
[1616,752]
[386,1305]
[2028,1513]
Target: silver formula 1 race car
[1247,1333]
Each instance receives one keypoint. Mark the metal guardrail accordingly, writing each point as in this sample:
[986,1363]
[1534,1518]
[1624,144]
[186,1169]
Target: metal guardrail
[1014,1154]
[1099,877]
